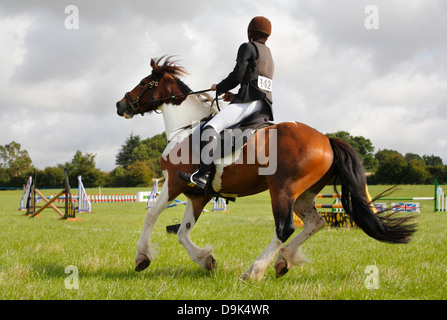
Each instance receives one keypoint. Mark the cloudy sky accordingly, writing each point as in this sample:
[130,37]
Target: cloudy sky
[339,65]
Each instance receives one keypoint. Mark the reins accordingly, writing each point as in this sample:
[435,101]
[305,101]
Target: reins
[134,104]
[188,94]
[181,95]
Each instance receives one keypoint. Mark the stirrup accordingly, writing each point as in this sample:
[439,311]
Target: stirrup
[194,181]
[200,181]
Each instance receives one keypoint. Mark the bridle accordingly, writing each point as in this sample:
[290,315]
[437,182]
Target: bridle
[135,104]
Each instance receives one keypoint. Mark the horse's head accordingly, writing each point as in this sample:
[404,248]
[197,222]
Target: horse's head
[160,87]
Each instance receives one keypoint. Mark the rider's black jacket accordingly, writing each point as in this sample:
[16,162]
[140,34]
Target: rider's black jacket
[254,59]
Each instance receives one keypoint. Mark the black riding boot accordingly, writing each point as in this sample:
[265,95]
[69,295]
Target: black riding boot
[201,177]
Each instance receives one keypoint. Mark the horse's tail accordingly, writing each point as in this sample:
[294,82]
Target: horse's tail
[383,227]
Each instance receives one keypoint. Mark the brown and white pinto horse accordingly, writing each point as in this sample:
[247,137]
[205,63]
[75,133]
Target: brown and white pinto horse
[306,161]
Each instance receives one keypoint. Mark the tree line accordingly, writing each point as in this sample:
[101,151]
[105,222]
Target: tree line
[391,167]
[138,162]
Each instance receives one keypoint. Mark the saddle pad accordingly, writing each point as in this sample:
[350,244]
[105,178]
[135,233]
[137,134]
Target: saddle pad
[230,139]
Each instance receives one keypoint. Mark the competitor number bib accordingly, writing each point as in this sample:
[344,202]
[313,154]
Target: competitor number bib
[265,83]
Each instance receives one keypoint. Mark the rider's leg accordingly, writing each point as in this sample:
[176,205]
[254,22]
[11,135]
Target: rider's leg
[234,113]
[229,116]
[208,145]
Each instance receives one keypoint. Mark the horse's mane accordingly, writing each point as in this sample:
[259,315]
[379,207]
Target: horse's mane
[169,66]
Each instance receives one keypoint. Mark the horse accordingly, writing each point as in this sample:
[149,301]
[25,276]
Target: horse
[307,161]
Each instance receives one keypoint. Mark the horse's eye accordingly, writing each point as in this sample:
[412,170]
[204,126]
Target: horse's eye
[142,83]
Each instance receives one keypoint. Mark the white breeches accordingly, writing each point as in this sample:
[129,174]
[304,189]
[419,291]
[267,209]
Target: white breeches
[234,113]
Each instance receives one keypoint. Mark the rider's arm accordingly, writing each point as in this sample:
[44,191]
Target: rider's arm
[237,75]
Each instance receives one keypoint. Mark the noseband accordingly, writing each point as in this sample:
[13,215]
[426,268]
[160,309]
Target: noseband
[134,104]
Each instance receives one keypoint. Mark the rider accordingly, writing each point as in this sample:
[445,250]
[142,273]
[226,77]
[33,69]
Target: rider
[253,72]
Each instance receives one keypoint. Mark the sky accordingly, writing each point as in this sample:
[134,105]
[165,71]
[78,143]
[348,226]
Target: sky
[374,68]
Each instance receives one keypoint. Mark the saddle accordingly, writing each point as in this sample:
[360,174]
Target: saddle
[232,139]
[238,135]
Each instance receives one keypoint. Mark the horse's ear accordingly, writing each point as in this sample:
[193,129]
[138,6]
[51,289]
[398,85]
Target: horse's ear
[153,64]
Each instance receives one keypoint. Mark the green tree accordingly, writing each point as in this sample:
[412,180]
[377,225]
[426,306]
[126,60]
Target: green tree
[155,166]
[416,172]
[151,148]
[84,165]
[392,167]
[437,172]
[51,177]
[139,161]
[363,146]
[15,165]
[17,162]
[139,174]
[384,154]
[4,177]
[432,160]
[124,157]
[414,157]
[117,178]
[396,169]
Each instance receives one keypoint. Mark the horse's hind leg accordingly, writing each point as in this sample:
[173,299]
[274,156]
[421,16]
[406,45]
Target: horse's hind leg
[282,205]
[202,256]
[259,267]
[144,251]
[290,255]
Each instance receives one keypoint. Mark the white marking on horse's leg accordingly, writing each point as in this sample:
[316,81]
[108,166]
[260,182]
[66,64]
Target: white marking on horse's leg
[290,255]
[259,267]
[199,255]
[145,253]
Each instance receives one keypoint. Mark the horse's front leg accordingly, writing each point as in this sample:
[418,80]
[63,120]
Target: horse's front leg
[145,253]
[202,256]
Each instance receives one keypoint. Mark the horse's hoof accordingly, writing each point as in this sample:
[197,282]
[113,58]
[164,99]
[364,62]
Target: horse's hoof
[210,263]
[141,265]
[246,276]
[281,269]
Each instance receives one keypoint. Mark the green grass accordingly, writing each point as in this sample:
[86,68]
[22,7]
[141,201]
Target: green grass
[34,253]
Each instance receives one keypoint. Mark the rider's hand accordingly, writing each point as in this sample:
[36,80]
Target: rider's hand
[228,96]
[214,87]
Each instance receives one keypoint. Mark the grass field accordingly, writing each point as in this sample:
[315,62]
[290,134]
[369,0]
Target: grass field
[34,253]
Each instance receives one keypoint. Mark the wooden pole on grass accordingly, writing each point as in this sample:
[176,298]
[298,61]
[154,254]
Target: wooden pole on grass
[49,203]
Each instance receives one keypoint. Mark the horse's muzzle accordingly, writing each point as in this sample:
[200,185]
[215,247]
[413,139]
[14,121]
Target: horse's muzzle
[118,110]
[122,108]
